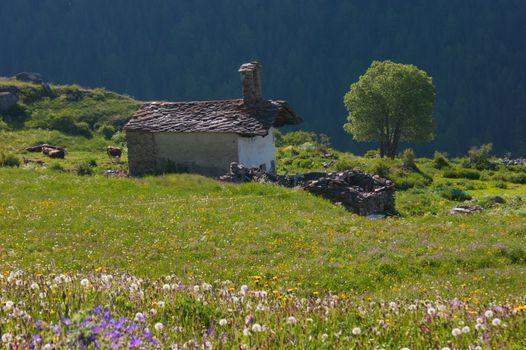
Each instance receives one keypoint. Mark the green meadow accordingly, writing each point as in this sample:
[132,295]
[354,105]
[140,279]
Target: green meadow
[238,241]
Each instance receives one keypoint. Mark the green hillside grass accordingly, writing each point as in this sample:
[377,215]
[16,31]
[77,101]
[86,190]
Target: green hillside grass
[304,252]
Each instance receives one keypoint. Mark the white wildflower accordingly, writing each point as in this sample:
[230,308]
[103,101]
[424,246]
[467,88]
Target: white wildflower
[480,326]
[356,331]
[85,282]
[207,345]
[223,322]
[412,307]
[404,349]
[246,332]
[456,332]
[392,305]
[138,317]
[8,305]
[465,329]
[256,327]
[34,285]
[480,320]
[260,307]
[47,347]
[488,314]
[244,289]
[445,348]
[153,311]
[478,347]
[206,286]
[106,278]
[431,311]
[196,288]
[292,320]
[324,336]
[7,338]
[166,287]
[158,326]
[161,304]
[496,322]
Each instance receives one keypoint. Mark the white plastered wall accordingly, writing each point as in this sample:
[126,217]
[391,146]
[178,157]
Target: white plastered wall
[257,150]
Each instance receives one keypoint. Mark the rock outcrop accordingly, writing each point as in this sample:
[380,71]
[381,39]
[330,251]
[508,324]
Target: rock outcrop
[7,101]
[30,77]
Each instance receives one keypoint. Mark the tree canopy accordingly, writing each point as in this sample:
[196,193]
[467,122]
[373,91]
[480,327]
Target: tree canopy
[391,103]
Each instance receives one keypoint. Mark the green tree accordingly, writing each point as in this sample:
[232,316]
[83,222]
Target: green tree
[391,103]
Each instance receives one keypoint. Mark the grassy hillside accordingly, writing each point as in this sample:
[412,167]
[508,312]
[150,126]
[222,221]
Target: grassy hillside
[305,269]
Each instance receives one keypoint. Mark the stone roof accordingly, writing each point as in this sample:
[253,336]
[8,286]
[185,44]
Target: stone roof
[225,116]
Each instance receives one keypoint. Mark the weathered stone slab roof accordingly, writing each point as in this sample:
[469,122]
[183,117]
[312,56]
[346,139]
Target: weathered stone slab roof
[228,116]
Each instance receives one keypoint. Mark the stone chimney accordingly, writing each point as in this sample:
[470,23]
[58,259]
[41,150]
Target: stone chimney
[251,81]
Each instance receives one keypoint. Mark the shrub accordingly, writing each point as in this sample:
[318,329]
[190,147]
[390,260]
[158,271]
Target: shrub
[408,159]
[479,157]
[372,153]
[68,125]
[405,181]
[462,173]
[501,184]
[16,116]
[344,164]
[9,160]
[85,168]
[57,167]
[98,94]
[73,93]
[455,195]
[3,125]
[298,138]
[440,161]
[119,138]
[106,130]
[381,168]
[519,178]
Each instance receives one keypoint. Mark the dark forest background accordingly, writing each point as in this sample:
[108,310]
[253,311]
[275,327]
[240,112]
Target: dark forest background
[311,51]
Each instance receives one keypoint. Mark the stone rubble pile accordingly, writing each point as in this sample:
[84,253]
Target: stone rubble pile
[466,209]
[519,161]
[357,191]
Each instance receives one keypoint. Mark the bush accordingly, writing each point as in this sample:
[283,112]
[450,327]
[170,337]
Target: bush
[16,116]
[68,125]
[57,167]
[85,168]
[440,161]
[9,160]
[501,184]
[455,195]
[462,174]
[298,138]
[73,93]
[381,168]
[408,159]
[372,153]
[119,138]
[344,164]
[516,178]
[3,125]
[106,130]
[405,181]
[479,157]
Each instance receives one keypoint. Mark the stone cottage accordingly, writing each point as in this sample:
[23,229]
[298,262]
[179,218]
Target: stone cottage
[204,137]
